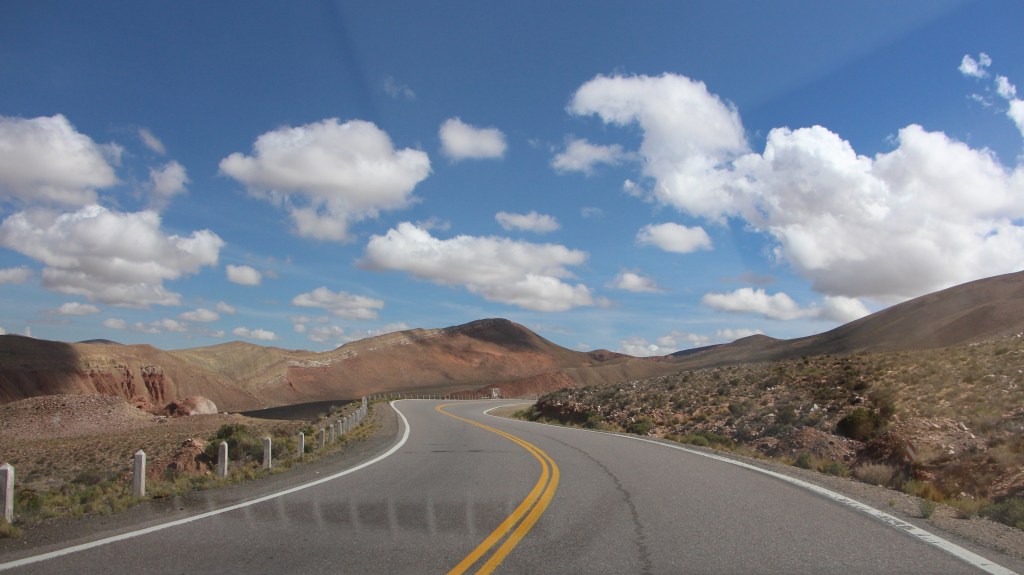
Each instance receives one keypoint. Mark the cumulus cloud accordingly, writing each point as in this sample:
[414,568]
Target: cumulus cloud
[161,325]
[166,182]
[326,333]
[225,308]
[634,282]
[328,175]
[341,304]
[664,345]
[523,274]
[18,275]
[201,315]
[461,141]
[975,68]
[152,142]
[582,156]
[781,306]
[257,334]
[931,213]
[730,335]
[689,134]
[77,308]
[114,323]
[674,238]
[47,160]
[243,275]
[109,257]
[531,222]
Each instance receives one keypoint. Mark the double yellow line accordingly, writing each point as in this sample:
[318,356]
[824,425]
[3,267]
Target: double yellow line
[523,518]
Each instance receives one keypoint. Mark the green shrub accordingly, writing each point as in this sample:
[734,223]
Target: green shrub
[804,461]
[1009,511]
[860,424]
[834,468]
[641,426]
[927,508]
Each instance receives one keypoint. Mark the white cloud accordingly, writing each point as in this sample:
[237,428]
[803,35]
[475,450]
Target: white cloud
[257,334]
[531,222]
[341,304]
[3,331]
[167,182]
[582,156]
[748,300]
[782,307]
[591,213]
[77,308]
[109,257]
[499,269]
[152,142]
[664,345]
[730,335]
[160,326]
[18,275]
[397,90]
[46,160]
[325,333]
[975,68]
[114,323]
[689,135]
[461,141]
[674,238]
[225,308]
[244,275]
[929,214]
[200,315]
[328,175]
[634,282]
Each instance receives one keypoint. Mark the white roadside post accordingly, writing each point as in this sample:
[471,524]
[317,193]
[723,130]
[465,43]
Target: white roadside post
[301,441]
[267,455]
[7,491]
[139,475]
[222,459]
[321,438]
[330,433]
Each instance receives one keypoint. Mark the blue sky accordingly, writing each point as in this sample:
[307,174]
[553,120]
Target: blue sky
[644,177]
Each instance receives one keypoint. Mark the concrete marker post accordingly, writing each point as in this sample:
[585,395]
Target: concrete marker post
[139,475]
[321,438]
[222,459]
[267,454]
[301,441]
[7,491]
[330,433]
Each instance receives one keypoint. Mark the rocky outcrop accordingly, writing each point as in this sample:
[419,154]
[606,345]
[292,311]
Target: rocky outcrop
[195,405]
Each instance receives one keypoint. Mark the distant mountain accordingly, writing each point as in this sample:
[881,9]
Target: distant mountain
[474,356]
[967,313]
[243,376]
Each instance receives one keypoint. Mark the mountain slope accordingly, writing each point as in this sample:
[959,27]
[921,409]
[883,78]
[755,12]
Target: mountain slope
[967,313]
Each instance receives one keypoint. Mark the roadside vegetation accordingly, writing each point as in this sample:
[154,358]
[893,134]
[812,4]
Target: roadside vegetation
[58,482]
[959,410]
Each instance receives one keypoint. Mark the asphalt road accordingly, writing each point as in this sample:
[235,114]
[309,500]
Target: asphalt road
[472,492]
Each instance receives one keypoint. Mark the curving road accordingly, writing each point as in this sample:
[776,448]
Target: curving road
[462,491]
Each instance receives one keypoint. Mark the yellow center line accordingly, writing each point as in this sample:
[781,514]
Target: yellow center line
[525,515]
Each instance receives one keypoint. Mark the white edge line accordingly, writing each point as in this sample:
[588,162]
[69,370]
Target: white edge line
[183,521]
[957,551]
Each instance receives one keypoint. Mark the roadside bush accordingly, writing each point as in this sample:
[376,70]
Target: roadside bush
[860,424]
[242,443]
[1009,511]
[641,426]
[874,473]
[836,468]
[804,461]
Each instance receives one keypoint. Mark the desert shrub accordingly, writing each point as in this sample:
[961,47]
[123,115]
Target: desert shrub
[836,468]
[860,424]
[641,425]
[1009,511]
[927,507]
[874,473]
[966,507]
[242,443]
[804,461]
[704,439]
[923,489]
